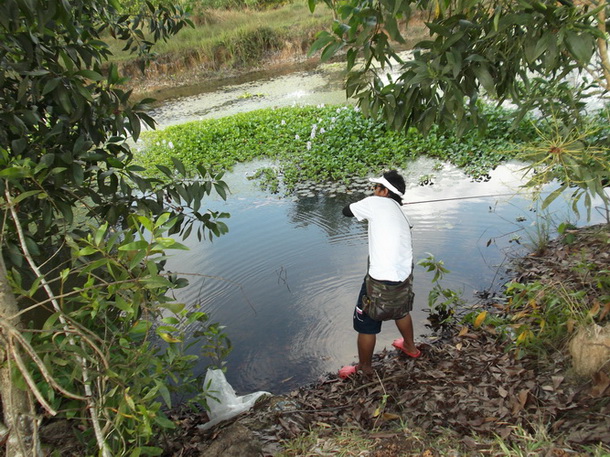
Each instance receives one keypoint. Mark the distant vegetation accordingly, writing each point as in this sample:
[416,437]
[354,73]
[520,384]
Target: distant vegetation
[224,39]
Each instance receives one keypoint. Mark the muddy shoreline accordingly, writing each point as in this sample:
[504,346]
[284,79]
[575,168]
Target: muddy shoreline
[201,80]
[470,384]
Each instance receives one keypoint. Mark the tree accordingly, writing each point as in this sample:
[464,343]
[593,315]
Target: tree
[84,232]
[520,52]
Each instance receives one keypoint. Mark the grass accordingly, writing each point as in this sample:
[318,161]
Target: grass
[236,37]
[405,441]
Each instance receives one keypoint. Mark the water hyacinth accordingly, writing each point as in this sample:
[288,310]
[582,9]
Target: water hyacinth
[313,131]
[347,144]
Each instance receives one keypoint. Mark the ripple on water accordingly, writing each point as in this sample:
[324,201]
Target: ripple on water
[292,268]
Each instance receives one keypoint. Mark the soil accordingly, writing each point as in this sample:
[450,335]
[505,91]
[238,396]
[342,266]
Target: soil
[468,384]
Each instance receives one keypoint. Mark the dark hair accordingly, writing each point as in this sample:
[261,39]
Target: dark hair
[397,181]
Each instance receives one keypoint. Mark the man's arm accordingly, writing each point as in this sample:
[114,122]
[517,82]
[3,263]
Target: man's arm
[347,211]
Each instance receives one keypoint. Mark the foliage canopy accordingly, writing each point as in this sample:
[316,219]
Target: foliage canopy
[84,234]
[522,52]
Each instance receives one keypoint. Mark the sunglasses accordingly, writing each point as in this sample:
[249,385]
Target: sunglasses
[378,186]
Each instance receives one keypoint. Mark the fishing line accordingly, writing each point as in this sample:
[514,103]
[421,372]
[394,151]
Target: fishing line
[460,198]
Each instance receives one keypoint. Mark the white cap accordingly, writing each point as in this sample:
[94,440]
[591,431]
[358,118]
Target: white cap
[385,183]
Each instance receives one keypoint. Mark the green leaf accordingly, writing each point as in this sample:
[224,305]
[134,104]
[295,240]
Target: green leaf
[134,246]
[164,422]
[175,308]
[50,85]
[164,391]
[582,46]
[168,338]
[140,327]
[485,79]
[552,196]
[322,40]
[157,282]
[88,250]
[90,74]
[179,166]
[330,51]
[137,259]
[22,196]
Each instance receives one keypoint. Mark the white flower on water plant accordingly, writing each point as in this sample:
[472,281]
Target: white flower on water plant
[283,122]
[313,131]
[158,144]
[171,145]
[309,145]
[333,119]
[322,130]
[297,137]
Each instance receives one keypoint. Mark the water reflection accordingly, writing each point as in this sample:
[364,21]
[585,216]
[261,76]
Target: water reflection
[285,277]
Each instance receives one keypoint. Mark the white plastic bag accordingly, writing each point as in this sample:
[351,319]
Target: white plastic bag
[223,403]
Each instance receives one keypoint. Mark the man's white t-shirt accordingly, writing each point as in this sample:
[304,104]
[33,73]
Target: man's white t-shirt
[390,249]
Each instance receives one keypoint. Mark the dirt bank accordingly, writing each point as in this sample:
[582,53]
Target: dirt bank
[168,76]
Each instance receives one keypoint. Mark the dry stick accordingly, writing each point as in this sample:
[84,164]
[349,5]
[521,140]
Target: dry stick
[28,378]
[16,334]
[602,44]
[93,410]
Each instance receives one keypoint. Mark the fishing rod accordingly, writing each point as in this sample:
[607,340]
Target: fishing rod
[459,198]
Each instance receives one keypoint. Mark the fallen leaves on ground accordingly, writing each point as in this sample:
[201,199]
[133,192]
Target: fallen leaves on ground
[470,383]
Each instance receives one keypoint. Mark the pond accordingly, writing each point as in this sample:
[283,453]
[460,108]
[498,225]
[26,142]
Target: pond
[285,278]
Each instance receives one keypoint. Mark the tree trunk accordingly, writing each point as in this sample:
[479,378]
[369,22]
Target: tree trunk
[18,409]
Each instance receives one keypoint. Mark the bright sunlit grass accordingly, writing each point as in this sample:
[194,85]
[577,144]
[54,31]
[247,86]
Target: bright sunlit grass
[226,26]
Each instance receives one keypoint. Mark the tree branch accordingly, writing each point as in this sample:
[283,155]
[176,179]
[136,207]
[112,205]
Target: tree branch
[602,43]
[92,406]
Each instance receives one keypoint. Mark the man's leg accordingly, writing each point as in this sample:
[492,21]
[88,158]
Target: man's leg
[366,347]
[405,327]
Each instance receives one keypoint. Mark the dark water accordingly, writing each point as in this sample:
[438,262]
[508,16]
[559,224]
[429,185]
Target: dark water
[285,278]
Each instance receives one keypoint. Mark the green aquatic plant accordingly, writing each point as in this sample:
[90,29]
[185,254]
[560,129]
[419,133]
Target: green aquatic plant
[323,143]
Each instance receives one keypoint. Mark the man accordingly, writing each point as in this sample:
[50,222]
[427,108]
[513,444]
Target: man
[390,261]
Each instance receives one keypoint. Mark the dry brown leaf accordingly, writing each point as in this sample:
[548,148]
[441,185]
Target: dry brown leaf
[601,382]
[557,380]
